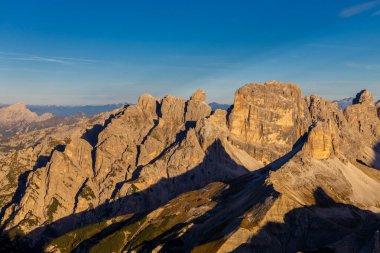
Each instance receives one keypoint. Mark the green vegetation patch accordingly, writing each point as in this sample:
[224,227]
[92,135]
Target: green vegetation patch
[70,241]
[87,193]
[116,241]
[52,209]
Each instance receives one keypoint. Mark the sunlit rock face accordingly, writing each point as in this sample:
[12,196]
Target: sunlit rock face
[337,133]
[278,172]
[362,116]
[267,119]
[320,141]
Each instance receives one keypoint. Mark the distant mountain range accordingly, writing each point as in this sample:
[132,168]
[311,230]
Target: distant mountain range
[89,110]
[215,106]
[59,110]
[68,110]
[18,119]
[344,103]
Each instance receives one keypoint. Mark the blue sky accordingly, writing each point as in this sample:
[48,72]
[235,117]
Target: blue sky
[96,52]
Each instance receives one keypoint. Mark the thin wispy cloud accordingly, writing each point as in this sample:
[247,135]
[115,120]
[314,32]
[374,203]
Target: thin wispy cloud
[46,59]
[344,47]
[363,65]
[358,9]
[376,13]
[21,70]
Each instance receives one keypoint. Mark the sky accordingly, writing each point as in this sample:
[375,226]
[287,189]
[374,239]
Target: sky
[98,52]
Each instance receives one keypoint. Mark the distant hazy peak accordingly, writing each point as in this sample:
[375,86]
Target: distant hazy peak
[20,113]
[215,106]
[20,106]
[345,102]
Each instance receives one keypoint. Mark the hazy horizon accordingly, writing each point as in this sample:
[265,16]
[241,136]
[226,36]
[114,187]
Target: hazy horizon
[185,97]
[97,53]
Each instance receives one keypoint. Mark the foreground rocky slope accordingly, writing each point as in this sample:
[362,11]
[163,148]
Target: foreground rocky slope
[276,173]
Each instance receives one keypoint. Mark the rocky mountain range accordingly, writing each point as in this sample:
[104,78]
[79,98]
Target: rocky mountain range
[277,172]
[67,111]
[214,106]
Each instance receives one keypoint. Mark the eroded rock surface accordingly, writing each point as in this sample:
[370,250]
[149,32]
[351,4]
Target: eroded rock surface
[362,116]
[267,119]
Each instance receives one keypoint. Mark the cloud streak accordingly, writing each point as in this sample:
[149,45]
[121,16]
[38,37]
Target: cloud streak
[363,66]
[44,59]
[358,9]
[343,47]
[377,13]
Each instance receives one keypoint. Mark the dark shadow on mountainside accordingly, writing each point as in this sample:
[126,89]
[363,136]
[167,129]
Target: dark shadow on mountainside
[147,200]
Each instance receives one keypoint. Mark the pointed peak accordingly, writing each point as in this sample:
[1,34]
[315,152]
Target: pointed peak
[363,97]
[145,97]
[147,102]
[199,95]
[19,106]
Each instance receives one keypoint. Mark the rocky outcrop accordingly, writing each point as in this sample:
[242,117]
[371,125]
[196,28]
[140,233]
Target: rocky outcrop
[335,133]
[362,116]
[267,119]
[320,141]
[328,121]
[378,108]
[196,107]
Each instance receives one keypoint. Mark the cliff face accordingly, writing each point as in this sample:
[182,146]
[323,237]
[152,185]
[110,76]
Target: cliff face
[276,172]
[362,116]
[267,119]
